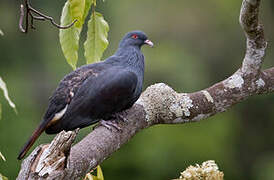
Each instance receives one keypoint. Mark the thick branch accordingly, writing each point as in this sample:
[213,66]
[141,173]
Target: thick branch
[254,33]
[160,104]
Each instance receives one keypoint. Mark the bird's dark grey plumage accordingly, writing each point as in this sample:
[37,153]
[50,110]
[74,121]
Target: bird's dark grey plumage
[96,91]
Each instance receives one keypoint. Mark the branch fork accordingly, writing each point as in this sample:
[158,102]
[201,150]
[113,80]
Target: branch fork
[35,15]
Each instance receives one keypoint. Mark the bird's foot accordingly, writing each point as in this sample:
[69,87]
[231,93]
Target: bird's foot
[109,124]
[120,116]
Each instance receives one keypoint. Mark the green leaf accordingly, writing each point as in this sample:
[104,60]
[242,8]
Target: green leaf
[2,157]
[6,94]
[87,8]
[0,111]
[1,33]
[3,177]
[77,8]
[94,2]
[96,41]
[69,38]
[99,176]
[99,173]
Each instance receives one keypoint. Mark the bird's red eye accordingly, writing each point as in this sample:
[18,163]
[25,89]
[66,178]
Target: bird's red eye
[134,36]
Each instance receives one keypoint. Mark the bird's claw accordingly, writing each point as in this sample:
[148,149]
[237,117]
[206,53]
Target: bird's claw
[109,124]
[119,116]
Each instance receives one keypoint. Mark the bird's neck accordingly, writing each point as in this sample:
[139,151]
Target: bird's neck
[131,56]
[124,50]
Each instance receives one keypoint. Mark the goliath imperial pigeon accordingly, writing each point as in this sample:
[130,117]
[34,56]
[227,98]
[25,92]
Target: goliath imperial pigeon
[96,91]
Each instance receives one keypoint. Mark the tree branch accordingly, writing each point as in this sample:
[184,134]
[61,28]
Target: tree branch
[41,17]
[160,104]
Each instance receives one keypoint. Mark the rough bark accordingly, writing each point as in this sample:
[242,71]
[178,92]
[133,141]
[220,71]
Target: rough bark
[159,104]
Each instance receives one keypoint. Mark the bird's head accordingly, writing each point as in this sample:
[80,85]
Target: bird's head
[135,38]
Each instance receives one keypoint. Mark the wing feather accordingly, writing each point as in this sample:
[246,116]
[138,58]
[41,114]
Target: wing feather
[99,97]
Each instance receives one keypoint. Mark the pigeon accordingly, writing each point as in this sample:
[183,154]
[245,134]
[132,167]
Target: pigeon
[96,92]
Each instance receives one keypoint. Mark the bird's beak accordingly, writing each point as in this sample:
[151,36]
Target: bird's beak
[148,42]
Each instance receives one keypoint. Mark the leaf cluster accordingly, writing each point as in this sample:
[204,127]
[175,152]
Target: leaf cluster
[96,41]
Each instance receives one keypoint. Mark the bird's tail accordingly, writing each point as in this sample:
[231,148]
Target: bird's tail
[38,131]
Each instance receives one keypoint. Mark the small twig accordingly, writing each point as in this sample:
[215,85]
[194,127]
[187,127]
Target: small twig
[31,24]
[21,19]
[41,17]
[38,18]
[33,17]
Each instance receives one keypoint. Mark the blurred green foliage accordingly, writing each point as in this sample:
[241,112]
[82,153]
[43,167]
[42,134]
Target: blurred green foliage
[198,43]
[4,89]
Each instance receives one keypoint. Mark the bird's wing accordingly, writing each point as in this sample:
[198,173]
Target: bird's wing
[59,101]
[99,97]
[66,90]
